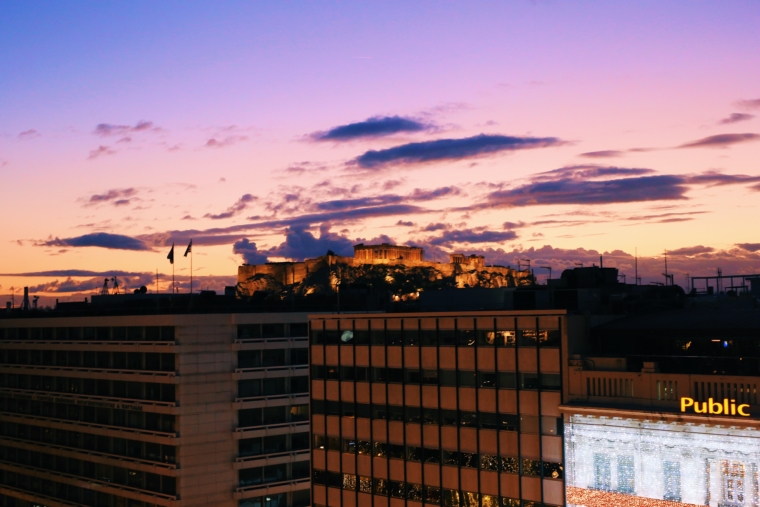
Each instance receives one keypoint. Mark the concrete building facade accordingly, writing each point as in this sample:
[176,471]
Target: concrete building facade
[154,410]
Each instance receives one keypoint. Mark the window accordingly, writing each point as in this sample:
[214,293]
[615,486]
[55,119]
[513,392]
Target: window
[273,330]
[412,414]
[507,380]
[447,378]
[349,481]
[486,379]
[672,472]
[602,472]
[627,479]
[447,337]
[531,467]
[488,420]
[396,451]
[413,376]
[430,377]
[365,484]
[449,418]
[431,455]
[468,459]
[347,373]
[553,470]
[504,338]
[299,384]
[413,453]
[299,413]
[450,458]
[432,495]
[489,462]
[551,425]
[467,378]
[299,330]
[550,381]
[274,357]
[429,415]
[299,356]
[349,446]
[529,381]
[510,465]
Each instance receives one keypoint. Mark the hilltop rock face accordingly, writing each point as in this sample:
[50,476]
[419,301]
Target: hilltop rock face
[323,275]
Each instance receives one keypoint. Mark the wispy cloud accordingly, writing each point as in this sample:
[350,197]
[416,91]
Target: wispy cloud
[114,196]
[224,142]
[98,239]
[76,273]
[239,206]
[750,247]
[471,236]
[722,141]
[110,129]
[28,134]
[603,154]
[749,104]
[586,185]
[100,151]
[377,126]
[691,251]
[450,149]
[736,118]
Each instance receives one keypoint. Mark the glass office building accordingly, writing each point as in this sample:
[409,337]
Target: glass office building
[452,409]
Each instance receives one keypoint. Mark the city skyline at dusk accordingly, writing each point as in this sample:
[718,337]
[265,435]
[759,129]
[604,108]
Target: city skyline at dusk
[555,132]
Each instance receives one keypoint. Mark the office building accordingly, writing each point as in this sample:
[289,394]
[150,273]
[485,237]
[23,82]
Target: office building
[108,408]
[443,408]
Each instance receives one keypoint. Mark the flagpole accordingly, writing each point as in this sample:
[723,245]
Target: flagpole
[191,271]
[174,288]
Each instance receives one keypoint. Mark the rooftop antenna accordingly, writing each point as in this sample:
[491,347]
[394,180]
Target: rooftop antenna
[520,265]
[25,304]
[636,264]
[579,264]
[550,272]
[115,285]
[104,290]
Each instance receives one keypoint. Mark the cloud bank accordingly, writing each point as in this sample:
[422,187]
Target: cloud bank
[98,239]
[377,126]
[450,149]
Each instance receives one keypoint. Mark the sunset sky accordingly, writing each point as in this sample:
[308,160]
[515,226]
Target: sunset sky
[544,130]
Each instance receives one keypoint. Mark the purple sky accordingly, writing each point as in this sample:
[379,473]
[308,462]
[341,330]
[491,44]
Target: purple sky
[555,131]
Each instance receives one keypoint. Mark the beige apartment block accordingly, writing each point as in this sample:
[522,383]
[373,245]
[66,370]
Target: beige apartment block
[154,410]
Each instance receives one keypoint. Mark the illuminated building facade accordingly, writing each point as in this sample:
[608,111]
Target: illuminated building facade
[459,409]
[662,410]
[154,410]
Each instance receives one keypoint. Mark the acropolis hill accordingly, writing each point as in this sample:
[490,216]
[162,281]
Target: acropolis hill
[400,269]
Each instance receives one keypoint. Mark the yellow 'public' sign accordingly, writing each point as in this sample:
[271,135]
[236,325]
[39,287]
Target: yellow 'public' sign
[727,407]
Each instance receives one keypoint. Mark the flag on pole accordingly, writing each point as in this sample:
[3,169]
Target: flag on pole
[189,248]
[171,254]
